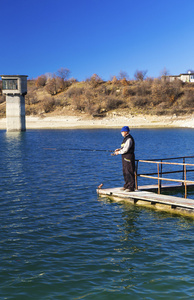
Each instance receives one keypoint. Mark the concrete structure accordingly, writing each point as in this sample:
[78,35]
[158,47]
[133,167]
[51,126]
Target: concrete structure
[15,89]
[185,77]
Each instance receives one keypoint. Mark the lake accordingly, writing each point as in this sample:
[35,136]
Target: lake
[60,241]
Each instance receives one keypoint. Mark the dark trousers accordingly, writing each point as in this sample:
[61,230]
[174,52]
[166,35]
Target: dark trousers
[128,162]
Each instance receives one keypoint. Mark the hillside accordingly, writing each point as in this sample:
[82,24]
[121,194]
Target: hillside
[97,98]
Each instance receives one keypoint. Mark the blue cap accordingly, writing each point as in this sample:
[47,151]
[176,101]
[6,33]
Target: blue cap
[125,128]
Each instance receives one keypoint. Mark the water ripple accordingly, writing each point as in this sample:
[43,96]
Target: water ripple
[59,241]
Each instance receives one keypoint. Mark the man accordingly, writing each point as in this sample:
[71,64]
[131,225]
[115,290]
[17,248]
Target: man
[128,159]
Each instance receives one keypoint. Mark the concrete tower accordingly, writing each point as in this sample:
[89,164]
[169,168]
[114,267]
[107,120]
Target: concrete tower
[15,89]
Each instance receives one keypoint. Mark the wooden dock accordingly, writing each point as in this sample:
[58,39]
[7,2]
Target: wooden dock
[150,195]
[143,196]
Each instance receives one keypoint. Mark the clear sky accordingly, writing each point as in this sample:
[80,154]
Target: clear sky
[96,36]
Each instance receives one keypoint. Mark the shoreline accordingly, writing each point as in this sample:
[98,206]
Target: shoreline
[114,121]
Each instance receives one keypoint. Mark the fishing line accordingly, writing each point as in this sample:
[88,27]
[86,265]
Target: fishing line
[81,149]
[92,150]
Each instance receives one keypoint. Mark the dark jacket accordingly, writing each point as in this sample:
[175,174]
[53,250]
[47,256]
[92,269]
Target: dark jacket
[132,147]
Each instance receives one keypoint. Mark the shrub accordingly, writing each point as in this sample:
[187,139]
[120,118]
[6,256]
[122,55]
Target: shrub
[51,86]
[79,103]
[94,80]
[187,99]
[139,101]
[75,91]
[61,85]
[31,98]
[31,110]
[158,91]
[103,90]
[129,91]
[114,80]
[143,88]
[47,104]
[41,81]
[113,103]
[93,109]
[3,110]
[56,85]
[166,91]
[124,82]
[61,101]
[2,99]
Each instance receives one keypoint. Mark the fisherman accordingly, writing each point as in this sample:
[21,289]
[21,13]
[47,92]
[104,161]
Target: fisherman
[128,159]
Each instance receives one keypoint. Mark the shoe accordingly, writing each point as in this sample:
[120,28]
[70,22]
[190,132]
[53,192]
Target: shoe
[122,189]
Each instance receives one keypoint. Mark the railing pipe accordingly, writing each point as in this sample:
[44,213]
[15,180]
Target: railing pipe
[165,163]
[160,172]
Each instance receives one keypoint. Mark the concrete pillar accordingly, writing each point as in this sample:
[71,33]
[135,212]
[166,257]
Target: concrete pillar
[15,113]
[15,89]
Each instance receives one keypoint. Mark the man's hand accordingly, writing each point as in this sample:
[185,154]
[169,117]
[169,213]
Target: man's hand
[116,152]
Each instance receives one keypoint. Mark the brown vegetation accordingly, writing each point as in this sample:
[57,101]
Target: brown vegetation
[96,97]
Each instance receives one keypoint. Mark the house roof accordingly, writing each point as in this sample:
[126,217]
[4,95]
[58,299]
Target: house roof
[186,74]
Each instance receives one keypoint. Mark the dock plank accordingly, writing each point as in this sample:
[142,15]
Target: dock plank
[173,201]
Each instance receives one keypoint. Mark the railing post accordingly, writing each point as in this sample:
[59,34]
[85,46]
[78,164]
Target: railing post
[161,172]
[159,183]
[185,175]
[183,170]
[136,170]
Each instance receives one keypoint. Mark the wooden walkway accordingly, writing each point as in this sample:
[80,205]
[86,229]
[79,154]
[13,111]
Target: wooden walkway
[144,197]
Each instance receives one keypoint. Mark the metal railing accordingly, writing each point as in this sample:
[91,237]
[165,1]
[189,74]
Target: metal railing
[160,163]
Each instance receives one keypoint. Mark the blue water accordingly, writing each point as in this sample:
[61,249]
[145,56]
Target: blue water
[60,241]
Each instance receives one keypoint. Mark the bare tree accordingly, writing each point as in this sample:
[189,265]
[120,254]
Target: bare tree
[140,75]
[63,73]
[122,75]
[164,72]
[51,86]
[94,80]
[164,75]
[48,75]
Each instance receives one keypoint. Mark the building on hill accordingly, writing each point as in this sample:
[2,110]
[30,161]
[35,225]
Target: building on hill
[185,77]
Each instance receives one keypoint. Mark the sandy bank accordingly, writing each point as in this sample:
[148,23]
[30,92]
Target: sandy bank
[115,121]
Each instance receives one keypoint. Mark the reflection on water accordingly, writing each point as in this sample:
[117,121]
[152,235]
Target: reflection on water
[59,241]
[9,135]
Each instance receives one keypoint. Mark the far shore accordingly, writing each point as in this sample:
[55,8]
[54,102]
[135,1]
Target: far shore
[114,121]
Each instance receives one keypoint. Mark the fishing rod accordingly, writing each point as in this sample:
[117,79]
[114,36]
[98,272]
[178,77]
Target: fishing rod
[92,150]
[82,149]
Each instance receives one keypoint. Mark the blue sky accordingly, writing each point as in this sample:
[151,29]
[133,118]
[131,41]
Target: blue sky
[96,36]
